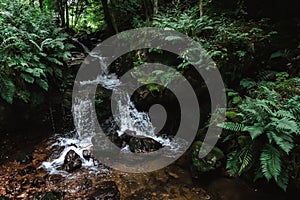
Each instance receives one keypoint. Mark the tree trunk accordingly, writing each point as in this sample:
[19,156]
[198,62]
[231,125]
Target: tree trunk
[67,14]
[148,9]
[41,5]
[155,7]
[112,28]
[61,12]
[201,8]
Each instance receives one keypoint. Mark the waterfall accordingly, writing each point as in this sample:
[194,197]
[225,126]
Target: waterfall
[128,118]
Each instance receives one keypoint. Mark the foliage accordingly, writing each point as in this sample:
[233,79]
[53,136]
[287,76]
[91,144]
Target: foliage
[32,51]
[149,78]
[210,162]
[231,43]
[267,129]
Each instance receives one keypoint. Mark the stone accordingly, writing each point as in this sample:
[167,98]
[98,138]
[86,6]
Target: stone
[86,154]
[38,182]
[26,159]
[55,178]
[143,144]
[107,190]
[72,161]
[27,170]
[88,184]
[49,196]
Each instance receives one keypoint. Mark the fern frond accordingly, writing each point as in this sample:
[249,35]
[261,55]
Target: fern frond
[267,75]
[232,163]
[283,180]
[285,113]
[245,158]
[284,141]
[270,162]
[232,126]
[286,124]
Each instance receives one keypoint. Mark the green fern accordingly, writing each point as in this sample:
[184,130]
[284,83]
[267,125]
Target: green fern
[232,126]
[271,120]
[30,47]
[270,162]
[239,161]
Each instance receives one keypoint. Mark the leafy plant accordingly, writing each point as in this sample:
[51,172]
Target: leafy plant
[32,51]
[233,44]
[266,132]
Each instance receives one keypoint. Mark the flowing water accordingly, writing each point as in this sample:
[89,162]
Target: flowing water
[128,118]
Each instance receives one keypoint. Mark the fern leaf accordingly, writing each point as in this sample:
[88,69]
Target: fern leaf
[270,162]
[283,180]
[232,163]
[284,141]
[288,125]
[232,126]
[255,130]
[285,113]
[245,158]
[267,75]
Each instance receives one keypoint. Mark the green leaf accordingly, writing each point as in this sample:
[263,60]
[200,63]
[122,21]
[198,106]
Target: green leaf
[270,160]
[283,180]
[255,130]
[58,72]
[28,78]
[43,84]
[245,158]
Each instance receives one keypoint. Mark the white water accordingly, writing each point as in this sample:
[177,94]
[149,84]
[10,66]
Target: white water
[129,118]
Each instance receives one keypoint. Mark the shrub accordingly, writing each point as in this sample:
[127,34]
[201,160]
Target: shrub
[32,52]
[266,130]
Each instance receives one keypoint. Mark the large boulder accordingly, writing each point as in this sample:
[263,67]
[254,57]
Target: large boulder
[140,144]
[72,161]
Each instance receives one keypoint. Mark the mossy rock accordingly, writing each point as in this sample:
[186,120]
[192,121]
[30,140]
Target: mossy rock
[210,162]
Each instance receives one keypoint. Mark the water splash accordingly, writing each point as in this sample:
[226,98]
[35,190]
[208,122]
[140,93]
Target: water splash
[129,118]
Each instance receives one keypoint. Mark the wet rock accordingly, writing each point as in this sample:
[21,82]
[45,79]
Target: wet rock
[114,137]
[88,184]
[86,154]
[56,151]
[26,159]
[27,170]
[127,135]
[72,161]
[143,144]
[107,191]
[49,196]
[25,182]
[55,178]
[38,182]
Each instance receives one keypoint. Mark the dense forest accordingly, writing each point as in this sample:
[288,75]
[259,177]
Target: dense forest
[255,46]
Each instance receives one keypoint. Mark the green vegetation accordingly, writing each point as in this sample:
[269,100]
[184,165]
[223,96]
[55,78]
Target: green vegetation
[256,49]
[265,128]
[32,52]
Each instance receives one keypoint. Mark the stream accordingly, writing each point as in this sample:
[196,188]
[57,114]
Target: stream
[63,166]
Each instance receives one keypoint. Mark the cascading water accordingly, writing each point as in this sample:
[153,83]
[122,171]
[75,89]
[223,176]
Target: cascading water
[129,118]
